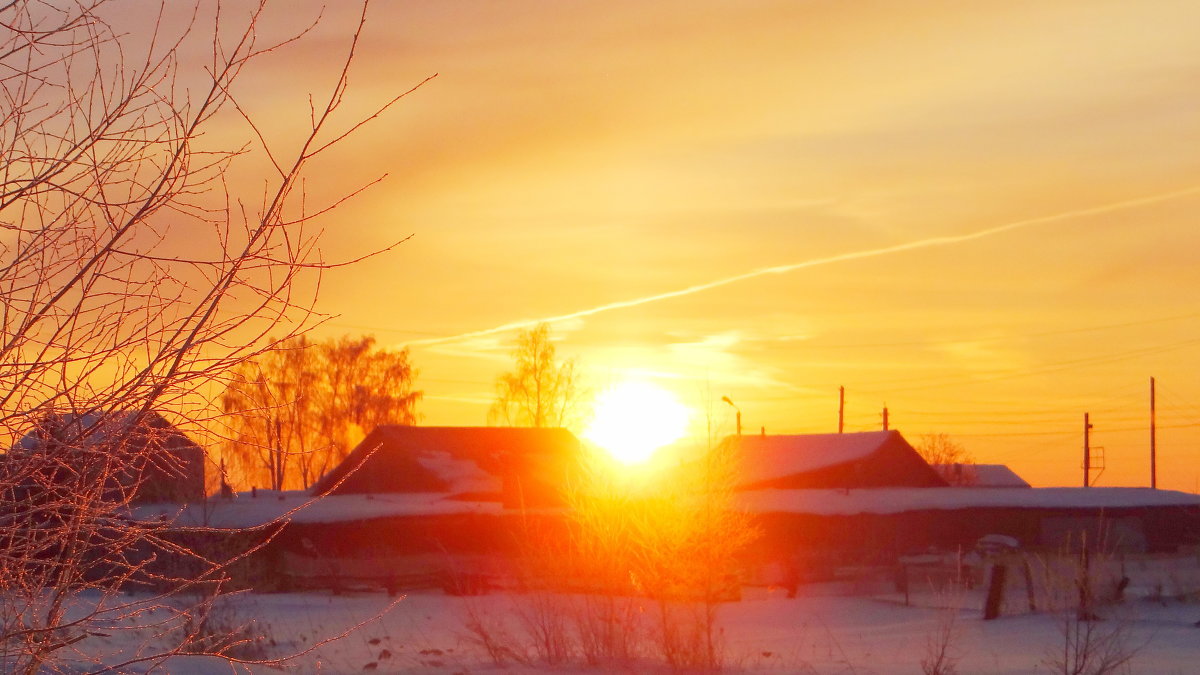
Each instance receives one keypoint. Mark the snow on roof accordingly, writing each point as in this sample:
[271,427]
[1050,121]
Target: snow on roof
[297,506]
[461,475]
[992,475]
[402,458]
[997,475]
[899,500]
[245,511]
[980,475]
[100,427]
[768,457]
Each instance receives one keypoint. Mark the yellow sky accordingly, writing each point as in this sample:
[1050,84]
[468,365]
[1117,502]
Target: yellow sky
[575,155]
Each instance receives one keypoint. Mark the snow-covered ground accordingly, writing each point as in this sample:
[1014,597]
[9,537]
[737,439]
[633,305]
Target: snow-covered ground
[849,627]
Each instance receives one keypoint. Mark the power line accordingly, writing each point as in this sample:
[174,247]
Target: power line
[1171,394]
[1017,373]
[1004,338]
[1072,432]
[381,329]
[1044,413]
[1014,423]
[453,381]
[1020,433]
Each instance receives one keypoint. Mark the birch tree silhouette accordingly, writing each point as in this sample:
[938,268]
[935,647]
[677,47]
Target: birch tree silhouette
[541,390]
[298,410]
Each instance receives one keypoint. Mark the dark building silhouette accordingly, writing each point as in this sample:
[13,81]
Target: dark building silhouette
[869,459]
[514,465]
[128,456]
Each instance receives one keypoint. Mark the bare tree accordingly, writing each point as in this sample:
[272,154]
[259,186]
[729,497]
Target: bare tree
[540,391]
[1080,585]
[131,281]
[297,410]
[942,650]
[691,539]
[372,385]
[273,407]
[948,457]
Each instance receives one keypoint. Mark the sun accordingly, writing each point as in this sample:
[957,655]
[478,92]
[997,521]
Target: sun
[633,419]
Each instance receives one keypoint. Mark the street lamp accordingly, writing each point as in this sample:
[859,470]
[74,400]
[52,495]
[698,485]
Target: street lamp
[739,413]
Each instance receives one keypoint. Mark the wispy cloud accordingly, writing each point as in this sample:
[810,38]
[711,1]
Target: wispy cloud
[473,400]
[482,346]
[982,356]
[930,242]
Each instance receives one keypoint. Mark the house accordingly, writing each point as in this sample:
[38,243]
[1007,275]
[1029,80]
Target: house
[433,505]
[408,507]
[981,475]
[886,522]
[134,456]
[870,459]
[512,465]
[870,496]
[412,506]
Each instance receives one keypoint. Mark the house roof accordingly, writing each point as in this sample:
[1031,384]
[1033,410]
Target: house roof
[99,428]
[265,507]
[865,459]
[982,475]
[157,461]
[271,507]
[467,460]
[775,456]
[900,500]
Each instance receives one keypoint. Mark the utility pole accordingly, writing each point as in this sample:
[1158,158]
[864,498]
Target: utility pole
[1087,450]
[841,408]
[885,417]
[1153,442]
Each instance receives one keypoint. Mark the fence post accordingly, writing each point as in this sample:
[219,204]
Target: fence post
[1085,612]
[995,594]
[901,578]
[1029,595]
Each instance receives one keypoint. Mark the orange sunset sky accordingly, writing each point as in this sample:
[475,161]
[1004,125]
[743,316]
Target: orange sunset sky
[981,214]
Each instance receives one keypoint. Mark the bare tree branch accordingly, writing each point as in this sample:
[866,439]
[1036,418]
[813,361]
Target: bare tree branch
[133,281]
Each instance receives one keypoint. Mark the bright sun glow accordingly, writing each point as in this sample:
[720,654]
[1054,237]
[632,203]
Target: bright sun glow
[633,419]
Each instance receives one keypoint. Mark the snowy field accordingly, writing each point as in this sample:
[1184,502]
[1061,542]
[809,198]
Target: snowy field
[763,633]
[860,627]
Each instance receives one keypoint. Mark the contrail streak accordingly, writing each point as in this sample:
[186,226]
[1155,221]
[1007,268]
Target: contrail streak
[931,242]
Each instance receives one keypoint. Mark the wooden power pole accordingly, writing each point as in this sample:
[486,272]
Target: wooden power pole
[1087,450]
[885,418]
[841,408]
[1153,442]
